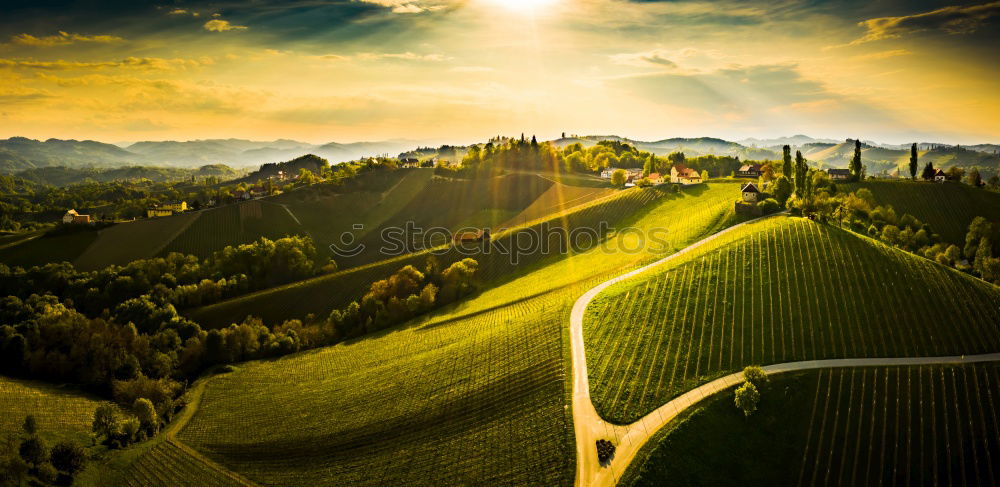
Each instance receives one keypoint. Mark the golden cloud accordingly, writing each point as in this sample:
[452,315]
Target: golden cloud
[219,25]
[150,63]
[62,39]
[956,19]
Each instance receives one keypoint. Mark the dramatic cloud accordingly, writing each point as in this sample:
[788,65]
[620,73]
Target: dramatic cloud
[61,39]
[129,62]
[953,20]
[181,11]
[403,6]
[219,25]
[734,89]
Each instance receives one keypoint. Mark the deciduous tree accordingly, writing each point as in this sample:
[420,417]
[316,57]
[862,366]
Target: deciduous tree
[747,397]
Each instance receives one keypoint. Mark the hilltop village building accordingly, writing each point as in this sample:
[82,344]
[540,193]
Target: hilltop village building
[166,209]
[72,216]
[681,174]
[749,171]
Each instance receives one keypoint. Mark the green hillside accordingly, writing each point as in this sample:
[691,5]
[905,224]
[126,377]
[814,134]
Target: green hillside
[233,225]
[706,206]
[948,207]
[58,246]
[63,413]
[927,425]
[779,290]
[879,158]
[140,239]
[472,394]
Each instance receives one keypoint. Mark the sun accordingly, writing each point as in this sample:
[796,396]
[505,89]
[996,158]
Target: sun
[527,7]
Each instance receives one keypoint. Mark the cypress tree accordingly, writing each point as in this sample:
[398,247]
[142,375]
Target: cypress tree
[856,166]
[913,161]
[786,167]
[800,174]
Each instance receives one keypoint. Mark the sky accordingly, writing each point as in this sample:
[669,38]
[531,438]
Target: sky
[461,71]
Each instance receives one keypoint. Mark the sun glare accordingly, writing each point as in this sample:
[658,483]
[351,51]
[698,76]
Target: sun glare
[527,7]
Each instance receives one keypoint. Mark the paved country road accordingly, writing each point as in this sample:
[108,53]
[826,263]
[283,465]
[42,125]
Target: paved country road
[629,439]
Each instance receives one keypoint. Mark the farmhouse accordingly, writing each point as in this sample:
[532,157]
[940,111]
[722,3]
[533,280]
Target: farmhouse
[750,192]
[478,236]
[656,178]
[839,174]
[681,174]
[940,176]
[606,173]
[175,206]
[749,171]
[72,216]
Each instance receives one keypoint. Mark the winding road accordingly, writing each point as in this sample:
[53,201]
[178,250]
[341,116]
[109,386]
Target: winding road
[629,439]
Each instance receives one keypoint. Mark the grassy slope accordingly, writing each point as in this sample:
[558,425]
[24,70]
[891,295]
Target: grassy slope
[783,289]
[141,239]
[886,426]
[234,225]
[46,249]
[62,412]
[320,295]
[474,394]
[948,207]
[558,198]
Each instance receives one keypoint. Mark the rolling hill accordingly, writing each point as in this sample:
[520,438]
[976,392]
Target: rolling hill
[879,158]
[18,153]
[21,153]
[779,290]
[63,413]
[916,425]
[472,394]
[949,208]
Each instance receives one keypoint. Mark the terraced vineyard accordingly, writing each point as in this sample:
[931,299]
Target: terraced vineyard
[948,207]
[234,225]
[682,216]
[62,413]
[125,242]
[780,290]
[167,464]
[927,425]
[471,395]
[467,401]
[46,248]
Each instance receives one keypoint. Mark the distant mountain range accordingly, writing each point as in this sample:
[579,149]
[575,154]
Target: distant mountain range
[20,153]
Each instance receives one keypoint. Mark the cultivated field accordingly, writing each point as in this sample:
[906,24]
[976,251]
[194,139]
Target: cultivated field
[683,215]
[451,402]
[558,198]
[948,207]
[234,225]
[167,464]
[62,412]
[125,242]
[780,290]
[473,394]
[46,248]
[926,425]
